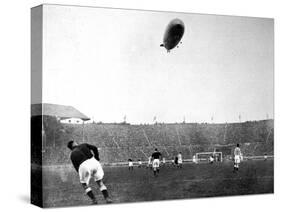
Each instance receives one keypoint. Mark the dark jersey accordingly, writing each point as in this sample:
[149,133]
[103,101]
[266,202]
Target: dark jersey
[156,155]
[176,160]
[81,153]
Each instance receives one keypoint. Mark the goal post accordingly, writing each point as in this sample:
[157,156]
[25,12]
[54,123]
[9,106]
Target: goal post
[204,156]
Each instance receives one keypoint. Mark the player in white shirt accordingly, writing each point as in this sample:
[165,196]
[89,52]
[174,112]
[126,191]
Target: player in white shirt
[237,157]
[194,159]
[180,160]
[131,165]
[211,159]
[163,161]
[139,163]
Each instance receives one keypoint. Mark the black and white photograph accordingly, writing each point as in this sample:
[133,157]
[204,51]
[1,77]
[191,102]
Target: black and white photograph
[135,106]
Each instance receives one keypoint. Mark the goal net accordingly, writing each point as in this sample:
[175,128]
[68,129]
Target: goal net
[206,157]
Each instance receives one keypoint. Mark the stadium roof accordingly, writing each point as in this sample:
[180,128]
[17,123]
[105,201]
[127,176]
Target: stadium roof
[62,111]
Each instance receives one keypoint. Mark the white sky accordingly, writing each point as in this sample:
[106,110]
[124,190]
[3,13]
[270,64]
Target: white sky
[107,63]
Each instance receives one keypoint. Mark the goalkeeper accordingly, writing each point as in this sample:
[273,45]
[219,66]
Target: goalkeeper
[85,159]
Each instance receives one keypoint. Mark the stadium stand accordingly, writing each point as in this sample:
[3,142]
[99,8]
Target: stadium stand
[118,142]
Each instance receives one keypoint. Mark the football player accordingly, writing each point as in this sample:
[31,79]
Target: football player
[176,161]
[85,159]
[163,161]
[211,159]
[237,157]
[194,160]
[139,163]
[131,165]
[179,160]
[156,156]
[265,157]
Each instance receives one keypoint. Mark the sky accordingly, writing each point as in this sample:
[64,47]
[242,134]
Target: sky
[108,64]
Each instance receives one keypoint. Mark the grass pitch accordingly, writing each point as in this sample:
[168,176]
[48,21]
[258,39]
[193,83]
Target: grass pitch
[61,187]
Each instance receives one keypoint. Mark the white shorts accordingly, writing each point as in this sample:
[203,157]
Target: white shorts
[179,161]
[156,163]
[237,159]
[90,168]
[130,164]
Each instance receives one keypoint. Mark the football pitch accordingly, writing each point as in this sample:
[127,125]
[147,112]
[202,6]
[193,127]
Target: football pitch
[61,187]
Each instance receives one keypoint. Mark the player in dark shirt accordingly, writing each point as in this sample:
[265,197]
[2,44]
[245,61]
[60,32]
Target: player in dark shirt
[176,161]
[156,156]
[85,159]
[83,152]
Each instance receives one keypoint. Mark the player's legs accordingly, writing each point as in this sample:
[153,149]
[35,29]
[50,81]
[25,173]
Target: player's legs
[104,191]
[154,171]
[89,193]
[180,163]
[131,166]
[154,167]
[98,176]
[85,176]
[156,164]
[235,165]
[176,163]
[236,162]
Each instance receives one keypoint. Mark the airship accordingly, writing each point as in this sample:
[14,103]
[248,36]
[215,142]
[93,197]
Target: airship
[173,34]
